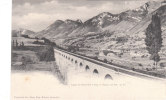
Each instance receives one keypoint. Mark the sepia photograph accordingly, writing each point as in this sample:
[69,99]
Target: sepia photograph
[88,50]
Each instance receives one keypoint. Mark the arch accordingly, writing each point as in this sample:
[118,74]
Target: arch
[87,67]
[108,76]
[66,57]
[75,61]
[81,64]
[71,59]
[95,71]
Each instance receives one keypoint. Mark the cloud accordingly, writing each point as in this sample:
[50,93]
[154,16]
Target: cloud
[32,21]
[20,2]
[36,16]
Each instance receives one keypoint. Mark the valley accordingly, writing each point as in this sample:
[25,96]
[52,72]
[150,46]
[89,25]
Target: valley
[116,38]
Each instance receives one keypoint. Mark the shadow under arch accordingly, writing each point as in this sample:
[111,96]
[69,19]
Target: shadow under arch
[95,71]
[87,67]
[76,62]
[108,76]
[81,64]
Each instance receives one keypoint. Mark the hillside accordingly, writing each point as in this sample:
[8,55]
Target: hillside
[19,32]
[118,23]
[123,32]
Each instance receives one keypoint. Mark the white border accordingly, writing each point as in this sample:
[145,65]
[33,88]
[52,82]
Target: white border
[5,48]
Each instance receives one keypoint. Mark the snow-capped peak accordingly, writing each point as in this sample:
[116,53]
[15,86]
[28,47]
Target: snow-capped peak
[68,21]
[79,21]
[105,14]
[149,6]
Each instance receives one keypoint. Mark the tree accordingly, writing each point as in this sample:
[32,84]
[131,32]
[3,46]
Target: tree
[22,44]
[153,38]
[13,43]
[16,43]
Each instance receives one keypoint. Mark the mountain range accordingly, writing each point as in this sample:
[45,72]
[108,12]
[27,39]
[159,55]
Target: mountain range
[125,30]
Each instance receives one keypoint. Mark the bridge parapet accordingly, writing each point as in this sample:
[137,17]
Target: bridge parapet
[96,67]
[84,64]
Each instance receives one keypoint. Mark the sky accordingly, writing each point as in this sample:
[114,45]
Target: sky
[36,15]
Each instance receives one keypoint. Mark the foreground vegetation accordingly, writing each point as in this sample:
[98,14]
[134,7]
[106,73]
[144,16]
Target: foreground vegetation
[36,57]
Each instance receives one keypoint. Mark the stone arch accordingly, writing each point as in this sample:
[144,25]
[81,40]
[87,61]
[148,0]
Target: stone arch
[81,64]
[108,76]
[72,59]
[75,61]
[68,58]
[95,71]
[87,67]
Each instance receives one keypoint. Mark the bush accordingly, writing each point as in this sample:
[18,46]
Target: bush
[147,69]
[96,58]
[105,60]
[133,69]
[162,65]
[37,42]
[25,36]
[140,64]
[26,59]
[121,39]
[142,56]
[46,54]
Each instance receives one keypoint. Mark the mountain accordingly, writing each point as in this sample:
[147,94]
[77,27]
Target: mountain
[107,30]
[19,32]
[60,29]
[102,20]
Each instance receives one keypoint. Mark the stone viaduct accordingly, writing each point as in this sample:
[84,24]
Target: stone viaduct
[105,70]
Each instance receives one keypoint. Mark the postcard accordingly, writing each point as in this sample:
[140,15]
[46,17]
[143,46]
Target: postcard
[88,50]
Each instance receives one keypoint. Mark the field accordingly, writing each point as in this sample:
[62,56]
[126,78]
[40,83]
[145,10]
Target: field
[128,60]
[33,57]
[41,57]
